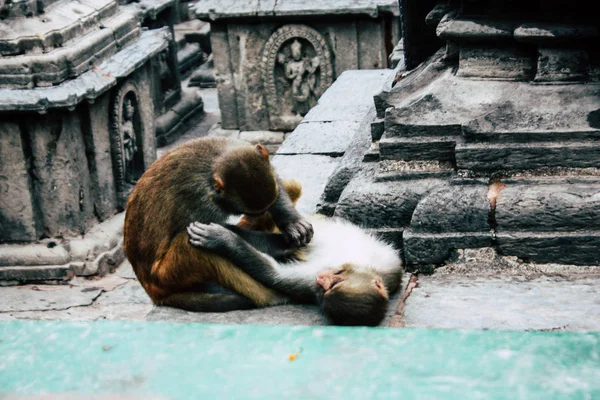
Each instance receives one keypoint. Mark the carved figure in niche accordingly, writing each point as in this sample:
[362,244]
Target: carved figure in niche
[129,140]
[301,70]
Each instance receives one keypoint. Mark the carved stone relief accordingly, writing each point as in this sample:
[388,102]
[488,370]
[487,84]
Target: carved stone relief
[126,139]
[296,70]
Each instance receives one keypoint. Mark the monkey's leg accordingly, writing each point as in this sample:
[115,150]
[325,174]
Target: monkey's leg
[184,266]
[207,302]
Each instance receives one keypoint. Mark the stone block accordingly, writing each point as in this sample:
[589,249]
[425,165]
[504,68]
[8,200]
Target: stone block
[398,170]
[490,62]
[561,65]
[60,163]
[522,156]
[349,164]
[373,204]
[371,49]
[435,248]
[574,248]
[263,137]
[17,213]
[377,129]
[225,83]
[462,208]
[29,274]
[13,255]
[355,88]
[327,112]
[550,208]
[329,138]
[428,148]
[97,137]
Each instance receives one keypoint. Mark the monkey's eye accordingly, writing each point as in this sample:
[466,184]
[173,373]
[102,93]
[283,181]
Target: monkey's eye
[334,284]
[338,272]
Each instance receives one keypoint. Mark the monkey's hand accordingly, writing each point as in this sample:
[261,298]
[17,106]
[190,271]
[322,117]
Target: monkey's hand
[297,233]
[213,237]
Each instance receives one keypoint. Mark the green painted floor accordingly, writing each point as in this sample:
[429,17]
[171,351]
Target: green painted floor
[201,361]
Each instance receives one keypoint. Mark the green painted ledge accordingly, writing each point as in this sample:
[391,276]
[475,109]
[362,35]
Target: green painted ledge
[200,361]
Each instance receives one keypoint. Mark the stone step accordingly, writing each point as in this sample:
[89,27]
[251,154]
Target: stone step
[435,248]
[523,156]
[372,204]
[393,128]
[522,136]
[409,149]
[398,170]
[550,208]
[35,273]
[575,248]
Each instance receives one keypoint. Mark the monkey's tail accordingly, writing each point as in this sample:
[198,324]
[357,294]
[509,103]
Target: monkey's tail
[293,189]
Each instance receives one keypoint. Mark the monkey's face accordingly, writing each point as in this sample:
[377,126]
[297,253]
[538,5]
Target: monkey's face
[352,296]
[248,184]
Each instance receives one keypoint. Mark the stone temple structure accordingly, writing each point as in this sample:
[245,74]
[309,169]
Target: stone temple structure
[274,59]
[492,141]
[77,128]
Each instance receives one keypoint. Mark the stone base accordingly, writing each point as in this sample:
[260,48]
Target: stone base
[96,253]
[189,109]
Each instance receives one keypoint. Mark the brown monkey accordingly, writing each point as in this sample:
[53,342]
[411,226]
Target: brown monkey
[206,180]
[348,272]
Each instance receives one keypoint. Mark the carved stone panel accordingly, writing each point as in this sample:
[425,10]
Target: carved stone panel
[126,139]
[296,70]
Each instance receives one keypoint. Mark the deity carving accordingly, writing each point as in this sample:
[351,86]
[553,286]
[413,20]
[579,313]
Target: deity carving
[297,69]
[129,139]
[126,136]
[300,69]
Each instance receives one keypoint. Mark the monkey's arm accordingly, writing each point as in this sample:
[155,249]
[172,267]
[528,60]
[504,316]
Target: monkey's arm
[296,230]
[272,244]
[260,266]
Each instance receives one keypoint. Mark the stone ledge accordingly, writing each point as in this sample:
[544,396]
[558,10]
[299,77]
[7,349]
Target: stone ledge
[423,149]
[399,170]
[576,248]
[212,10]
[61,23]
[378,205]
[98,252]
[463,208]
[539,33]
[521,156]
[435,248]
[327,138]
[550,208]
[90,84]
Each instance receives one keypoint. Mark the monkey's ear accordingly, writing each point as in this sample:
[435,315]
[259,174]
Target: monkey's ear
[262,150]
[217,183]
[380,287]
